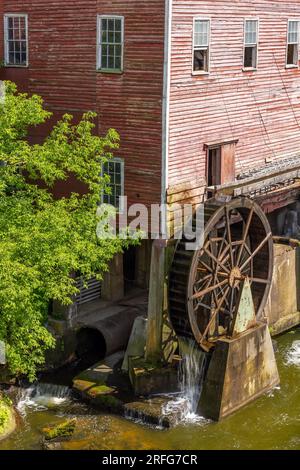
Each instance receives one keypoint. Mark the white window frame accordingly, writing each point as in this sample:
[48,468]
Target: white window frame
[292,66]
[246,69]
[201,72]
[99,42]
[120,209]
[6,54]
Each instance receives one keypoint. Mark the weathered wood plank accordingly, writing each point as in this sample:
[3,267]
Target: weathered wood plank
[62,69]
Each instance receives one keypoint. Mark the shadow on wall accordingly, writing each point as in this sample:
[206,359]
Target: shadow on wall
[285,222]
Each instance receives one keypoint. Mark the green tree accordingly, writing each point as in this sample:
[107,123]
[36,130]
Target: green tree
[43,239]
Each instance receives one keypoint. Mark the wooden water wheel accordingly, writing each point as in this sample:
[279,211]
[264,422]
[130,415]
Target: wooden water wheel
[204,285]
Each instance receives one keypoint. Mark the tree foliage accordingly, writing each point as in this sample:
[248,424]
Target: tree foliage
[43,239]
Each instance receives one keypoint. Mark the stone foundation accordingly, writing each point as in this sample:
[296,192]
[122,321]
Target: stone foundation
[151,379]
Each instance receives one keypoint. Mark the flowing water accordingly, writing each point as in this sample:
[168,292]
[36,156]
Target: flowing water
[41,397]
[271,422]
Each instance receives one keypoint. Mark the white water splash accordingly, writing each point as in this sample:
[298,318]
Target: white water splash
[293,354]
[179,410]
[41,397]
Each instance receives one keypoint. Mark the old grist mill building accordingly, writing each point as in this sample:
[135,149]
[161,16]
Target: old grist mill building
[206,98]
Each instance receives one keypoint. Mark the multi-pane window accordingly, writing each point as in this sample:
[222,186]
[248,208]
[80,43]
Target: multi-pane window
[201,45]
[16,41]
[115,170]
[292,57]
[110,43]
[251,43]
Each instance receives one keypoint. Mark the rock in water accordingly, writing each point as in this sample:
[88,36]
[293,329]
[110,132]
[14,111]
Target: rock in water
[60,431]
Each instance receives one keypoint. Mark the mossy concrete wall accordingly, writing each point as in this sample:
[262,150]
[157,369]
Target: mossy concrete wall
[7,419]
[282,309]
[241,369]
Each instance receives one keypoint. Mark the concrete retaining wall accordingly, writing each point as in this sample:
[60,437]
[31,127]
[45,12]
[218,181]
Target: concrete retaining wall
[282,309]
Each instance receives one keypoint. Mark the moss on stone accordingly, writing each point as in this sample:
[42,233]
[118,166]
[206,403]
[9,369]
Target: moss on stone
[83,385]
[150,411]
[62,430]
[4,416]
[7,417]
[100,390]
[140,364]
[108,402]
[100,395]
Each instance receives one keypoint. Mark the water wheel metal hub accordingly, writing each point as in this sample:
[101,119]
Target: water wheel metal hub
[235,276]
[204,285]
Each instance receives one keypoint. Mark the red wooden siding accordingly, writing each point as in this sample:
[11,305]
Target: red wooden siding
[261,108]
[62,68]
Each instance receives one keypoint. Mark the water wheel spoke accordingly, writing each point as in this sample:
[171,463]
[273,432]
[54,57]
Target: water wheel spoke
[208,268]
[211,265]
[257,249]
[222,243]
[215,313]
[231,300]
[247,271]
[225,311]
[245,235]
[206,284]
[207,290]
[226,262]
[228,229]
[247,249]
[224,259]
[216,239]
[201,304]
[217,261]
[222,293]
[221,256]
[220,273]
[202,270]
[258,280]
[203,279]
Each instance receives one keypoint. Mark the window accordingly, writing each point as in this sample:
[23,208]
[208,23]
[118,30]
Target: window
[115,169]
[220,163]
[110,43]
[201,45]
[16,41]
[251,43]
[292,56]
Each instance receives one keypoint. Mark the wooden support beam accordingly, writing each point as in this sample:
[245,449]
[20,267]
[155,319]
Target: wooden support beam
[155,303]
[293,243]
[256,183]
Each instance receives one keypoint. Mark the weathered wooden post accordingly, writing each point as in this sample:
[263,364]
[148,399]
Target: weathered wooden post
[155,304]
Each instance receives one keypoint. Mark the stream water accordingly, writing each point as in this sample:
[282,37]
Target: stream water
[271,422]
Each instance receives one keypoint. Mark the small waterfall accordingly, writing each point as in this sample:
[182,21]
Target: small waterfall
[183,408]
[52,390]
[191,373]
[42,396]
